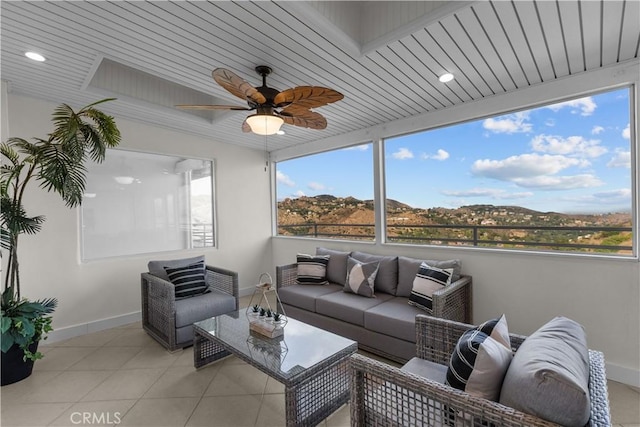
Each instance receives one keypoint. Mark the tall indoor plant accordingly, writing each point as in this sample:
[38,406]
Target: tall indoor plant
[57,163]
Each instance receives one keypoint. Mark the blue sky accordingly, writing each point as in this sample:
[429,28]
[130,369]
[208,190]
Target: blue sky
[568,157]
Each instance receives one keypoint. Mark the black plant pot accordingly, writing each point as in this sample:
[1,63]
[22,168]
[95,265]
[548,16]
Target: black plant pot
[15,369]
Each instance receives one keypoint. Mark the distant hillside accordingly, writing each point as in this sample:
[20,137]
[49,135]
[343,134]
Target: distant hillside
[345,213]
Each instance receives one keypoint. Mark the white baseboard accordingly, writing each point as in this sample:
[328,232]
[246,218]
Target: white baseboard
[65,333]
[623,374]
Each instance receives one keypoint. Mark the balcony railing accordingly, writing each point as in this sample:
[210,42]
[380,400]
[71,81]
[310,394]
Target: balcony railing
[548,237]
[201,235]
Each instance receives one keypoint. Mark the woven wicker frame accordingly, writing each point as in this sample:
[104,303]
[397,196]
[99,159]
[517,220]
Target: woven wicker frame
[382,395]
[159,303]
[311,395]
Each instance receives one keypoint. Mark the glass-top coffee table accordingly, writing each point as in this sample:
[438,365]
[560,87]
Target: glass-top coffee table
[313,364]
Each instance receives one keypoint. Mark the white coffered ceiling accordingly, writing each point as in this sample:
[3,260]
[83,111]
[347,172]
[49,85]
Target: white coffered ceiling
[384,56]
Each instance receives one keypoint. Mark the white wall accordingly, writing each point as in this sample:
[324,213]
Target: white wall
[107,289]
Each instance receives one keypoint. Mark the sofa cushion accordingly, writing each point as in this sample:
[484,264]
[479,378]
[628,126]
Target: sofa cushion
[478,365]
[408,268]
[312,270]
[387,277]
[361,277]
[157,267]
[348,307]
[427,369]
[214,303]
[394,317]
[549,374]
[304,296]
[427,281]
[337,267]
[188,280]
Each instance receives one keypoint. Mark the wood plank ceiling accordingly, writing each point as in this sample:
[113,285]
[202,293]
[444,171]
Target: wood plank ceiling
[385,57]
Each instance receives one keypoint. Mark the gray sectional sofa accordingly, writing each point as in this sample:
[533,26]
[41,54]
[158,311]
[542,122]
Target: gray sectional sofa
[385,324]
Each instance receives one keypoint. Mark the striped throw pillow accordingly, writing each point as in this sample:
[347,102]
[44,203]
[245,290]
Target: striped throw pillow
[428,280]
[188,280]
[480,360]
[312,270]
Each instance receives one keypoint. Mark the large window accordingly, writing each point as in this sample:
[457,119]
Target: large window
[327,195]
[139,203]
[557,177]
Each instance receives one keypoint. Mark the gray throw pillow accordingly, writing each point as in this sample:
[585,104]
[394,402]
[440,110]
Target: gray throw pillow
[361,277]
[337,267]
[157,267]
[549,375]
[387,277]
[408,268]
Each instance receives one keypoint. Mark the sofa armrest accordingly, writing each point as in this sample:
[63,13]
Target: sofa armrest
[436,338]
[454,302]
[286,275]
[223,280]
[384,395]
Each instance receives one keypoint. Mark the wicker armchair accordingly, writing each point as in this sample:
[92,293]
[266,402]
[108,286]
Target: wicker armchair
[170,321]
[382,395]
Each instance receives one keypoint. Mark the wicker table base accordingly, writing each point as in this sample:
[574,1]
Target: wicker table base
[312,364]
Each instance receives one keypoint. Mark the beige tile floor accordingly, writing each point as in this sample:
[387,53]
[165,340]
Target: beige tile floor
[123,377]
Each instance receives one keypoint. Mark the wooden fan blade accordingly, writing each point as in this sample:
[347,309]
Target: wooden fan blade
[211,107]
[303,118]
[307,97]
[245,126]
[237,86]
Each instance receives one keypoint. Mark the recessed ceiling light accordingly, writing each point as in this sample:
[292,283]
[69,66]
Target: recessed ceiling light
[446,77]
[35,56]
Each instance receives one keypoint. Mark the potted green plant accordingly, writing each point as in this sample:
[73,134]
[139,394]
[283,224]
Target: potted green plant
[56,163]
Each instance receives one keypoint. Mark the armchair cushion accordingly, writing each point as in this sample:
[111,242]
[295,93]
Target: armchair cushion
[214,303]
[188,280]
[549,374]
[157,267]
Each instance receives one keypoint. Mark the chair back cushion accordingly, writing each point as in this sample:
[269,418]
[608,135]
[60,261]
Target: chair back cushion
[157,267]
[549,374]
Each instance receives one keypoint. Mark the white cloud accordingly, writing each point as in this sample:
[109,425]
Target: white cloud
[440,155]
[622,159]
[622,195]
[550,123]
[300,193]
[284,179]
[523,166]
[626,132]
[492,193]
[572,145]
[597,130]
[403,154]
[316,186]
[511,123]
[363,147]
[559,182]
[586,106]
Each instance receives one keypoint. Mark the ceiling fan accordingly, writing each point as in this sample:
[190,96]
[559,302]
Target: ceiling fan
[273,108]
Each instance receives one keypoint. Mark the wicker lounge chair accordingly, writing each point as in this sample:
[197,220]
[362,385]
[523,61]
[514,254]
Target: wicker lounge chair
[170,321]
[383,395]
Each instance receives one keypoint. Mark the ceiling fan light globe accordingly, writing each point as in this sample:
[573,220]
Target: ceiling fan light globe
[264,124]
